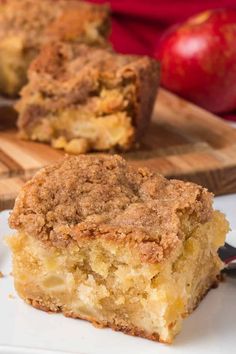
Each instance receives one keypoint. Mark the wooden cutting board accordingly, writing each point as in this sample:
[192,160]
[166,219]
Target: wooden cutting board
[183,141]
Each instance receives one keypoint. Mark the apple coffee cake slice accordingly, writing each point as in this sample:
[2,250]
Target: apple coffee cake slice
[80,98]
[117,246]
[26,25]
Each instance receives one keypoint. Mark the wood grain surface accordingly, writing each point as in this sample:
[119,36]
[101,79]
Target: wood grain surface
[183,141]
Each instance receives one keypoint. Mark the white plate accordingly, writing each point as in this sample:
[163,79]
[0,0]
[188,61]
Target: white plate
[210,329]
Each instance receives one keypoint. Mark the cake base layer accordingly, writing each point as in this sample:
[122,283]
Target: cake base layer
[106,283]
[14,62]
[117,324]
[78,135]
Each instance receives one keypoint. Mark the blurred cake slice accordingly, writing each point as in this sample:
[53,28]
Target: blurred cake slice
[26,25]
[80,98]
[117,246]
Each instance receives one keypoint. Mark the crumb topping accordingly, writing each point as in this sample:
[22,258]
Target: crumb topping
[63,67]
[36,21]
[87,196]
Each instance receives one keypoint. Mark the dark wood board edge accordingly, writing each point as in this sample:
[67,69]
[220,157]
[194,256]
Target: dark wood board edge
[218,181]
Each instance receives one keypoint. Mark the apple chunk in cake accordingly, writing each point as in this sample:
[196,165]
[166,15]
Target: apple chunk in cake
[26,25]
[80,98]
[117,246]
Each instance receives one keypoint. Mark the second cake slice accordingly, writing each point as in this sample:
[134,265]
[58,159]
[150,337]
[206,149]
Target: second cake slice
[80,98]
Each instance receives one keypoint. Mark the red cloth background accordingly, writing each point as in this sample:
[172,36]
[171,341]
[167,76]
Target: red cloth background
[138,25]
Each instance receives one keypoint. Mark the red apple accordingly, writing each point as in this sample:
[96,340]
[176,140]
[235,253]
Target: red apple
[199,59]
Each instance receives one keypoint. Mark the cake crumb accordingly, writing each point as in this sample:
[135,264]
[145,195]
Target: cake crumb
[10,296]
[1,275]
